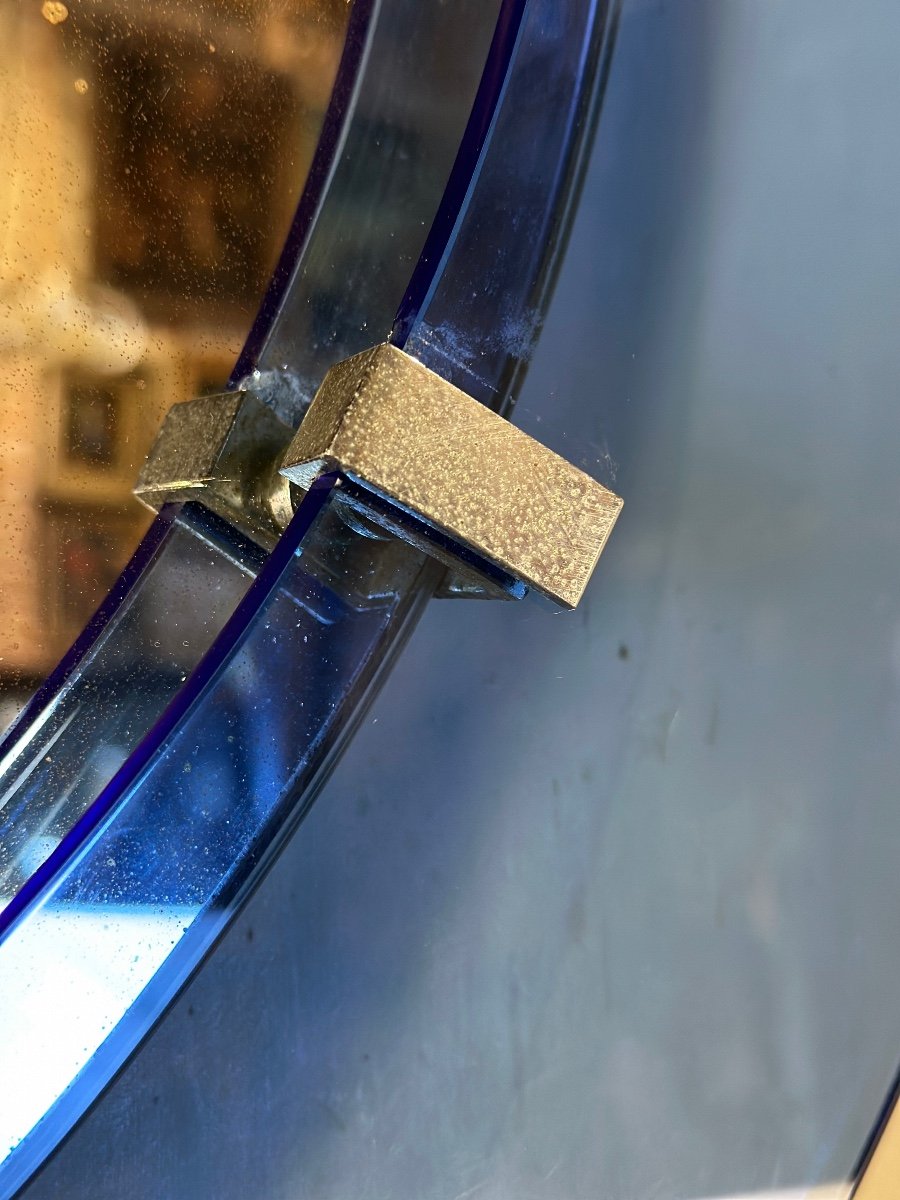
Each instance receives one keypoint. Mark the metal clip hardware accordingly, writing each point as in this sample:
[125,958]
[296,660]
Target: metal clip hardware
[223,452]
[428,448]
[429,464]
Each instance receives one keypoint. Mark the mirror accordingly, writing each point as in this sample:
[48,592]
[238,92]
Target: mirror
[153,157]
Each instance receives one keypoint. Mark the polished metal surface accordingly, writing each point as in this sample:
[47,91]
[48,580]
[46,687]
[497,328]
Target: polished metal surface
[390,422]
[385,419]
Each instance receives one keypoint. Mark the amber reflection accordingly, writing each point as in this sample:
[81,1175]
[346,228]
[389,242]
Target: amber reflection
[153,155]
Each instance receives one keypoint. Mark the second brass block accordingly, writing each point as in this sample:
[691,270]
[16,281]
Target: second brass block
[386,419]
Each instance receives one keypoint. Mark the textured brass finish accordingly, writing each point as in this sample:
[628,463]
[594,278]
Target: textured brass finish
[187,448]
[222,451]
[388,421]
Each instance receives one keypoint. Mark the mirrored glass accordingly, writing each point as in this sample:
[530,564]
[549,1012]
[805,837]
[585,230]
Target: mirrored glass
[153,155]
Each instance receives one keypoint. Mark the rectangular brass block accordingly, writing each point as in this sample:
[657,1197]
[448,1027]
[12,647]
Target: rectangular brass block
[187,448]
[394,424]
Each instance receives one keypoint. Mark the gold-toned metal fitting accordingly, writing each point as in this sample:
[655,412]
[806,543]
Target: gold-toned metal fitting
[389,422]
[222,450]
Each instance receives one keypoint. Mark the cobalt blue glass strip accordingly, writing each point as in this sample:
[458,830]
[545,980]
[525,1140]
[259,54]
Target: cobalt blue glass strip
[90,821]
[477,325]
[331,138]
[152,874]
[418,79]
[160,619]
[465,168]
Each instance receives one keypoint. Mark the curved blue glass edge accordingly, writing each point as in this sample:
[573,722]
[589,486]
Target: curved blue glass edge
[91,820]
[341,111]
[481,122]
[317,201]
[583,114]
[86,821]
[129,1037]
[331,139]
[421,70]
[465,169]
[478,324]
[160,619]
[152,843]
[150,545]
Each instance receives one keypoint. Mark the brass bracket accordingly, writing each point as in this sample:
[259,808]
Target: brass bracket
[431,465]
[428,449]
[223,451]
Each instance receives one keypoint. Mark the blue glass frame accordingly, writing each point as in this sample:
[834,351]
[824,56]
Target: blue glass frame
[88,866]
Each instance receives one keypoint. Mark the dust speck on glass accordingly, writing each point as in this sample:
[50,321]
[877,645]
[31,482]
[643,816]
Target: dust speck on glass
[153,156]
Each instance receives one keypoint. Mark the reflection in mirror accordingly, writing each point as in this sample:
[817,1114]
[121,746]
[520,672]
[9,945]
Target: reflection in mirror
[153,155]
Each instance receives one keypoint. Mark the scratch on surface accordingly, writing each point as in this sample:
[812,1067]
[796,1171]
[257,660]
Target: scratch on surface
[553,1170]
[668,733]
[478,1187]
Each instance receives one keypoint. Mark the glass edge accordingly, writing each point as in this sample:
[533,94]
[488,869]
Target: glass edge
[331,138]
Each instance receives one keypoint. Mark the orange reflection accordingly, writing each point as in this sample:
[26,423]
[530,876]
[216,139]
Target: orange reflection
[153,156]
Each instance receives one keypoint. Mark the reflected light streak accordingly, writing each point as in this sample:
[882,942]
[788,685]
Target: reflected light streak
[64,988]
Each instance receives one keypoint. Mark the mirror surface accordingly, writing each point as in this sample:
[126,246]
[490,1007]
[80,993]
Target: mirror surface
[153,157]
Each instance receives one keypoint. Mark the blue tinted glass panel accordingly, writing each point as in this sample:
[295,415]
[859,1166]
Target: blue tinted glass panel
[156,626]
[153,871]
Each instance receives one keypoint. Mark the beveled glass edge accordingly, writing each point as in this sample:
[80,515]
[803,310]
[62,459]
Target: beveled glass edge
[145,554]
[191,950]
[464,172]
[234,630]
[593,27]
[331,137]
[205,524]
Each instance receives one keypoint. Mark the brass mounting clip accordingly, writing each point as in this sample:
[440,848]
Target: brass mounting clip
[428,448]
[431,465]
